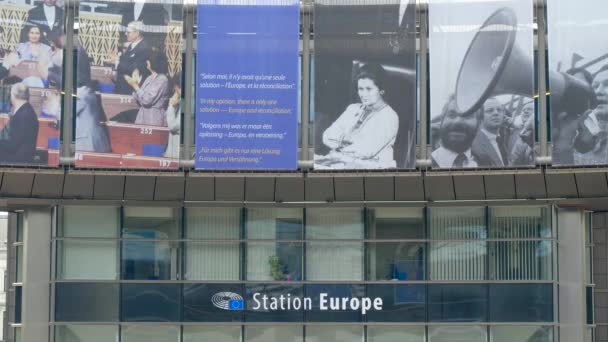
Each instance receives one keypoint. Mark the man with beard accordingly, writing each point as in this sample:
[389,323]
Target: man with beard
[590,143]
[457,132]
[490,143]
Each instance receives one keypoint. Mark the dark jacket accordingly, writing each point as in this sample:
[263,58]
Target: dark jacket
[483,149]
[36,17]
[131,60]
[18,138]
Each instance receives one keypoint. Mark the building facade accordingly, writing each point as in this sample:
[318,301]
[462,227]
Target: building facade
[133,247]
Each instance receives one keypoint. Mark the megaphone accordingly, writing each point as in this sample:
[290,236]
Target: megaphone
[493,65]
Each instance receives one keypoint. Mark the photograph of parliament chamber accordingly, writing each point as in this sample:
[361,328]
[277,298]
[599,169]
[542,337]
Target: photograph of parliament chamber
[114,235]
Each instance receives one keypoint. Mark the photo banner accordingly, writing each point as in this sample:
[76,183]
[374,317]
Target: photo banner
[365,84]
[129,84]
[578,81]
[32,40]
[482,88]
[247,78]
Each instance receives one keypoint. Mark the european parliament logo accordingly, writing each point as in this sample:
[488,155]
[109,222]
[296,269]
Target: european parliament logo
[228,301]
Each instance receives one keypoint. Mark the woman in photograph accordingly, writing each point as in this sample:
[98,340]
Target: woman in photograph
[33,49]
[364,134]
[153,94]
[174,111]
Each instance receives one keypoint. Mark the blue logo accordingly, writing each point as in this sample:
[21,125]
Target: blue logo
[228,301]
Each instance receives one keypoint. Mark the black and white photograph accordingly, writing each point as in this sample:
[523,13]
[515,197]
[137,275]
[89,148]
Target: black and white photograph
[365,84]
[481,83]
[578,82]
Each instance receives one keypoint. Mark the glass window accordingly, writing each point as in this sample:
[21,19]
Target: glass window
[213,223]
[268,310]
[334,223]
[457,223]
[149,260]
[197,305]
[520,222]
[87,259]
[326,260]
[274,223]
[400,302]
[279,261]
[521,260]
[457,303]
[395,260]
[149,333]
[521,302]
[521,333]
[396,223]
[457,260]
[394,333]
[334,260]
[274,334]
[86,302]
[18,303]
[202,260]
[334,333]
[194,333]
[86,333]
[457,334]
[201,257]
[19,263]
[90,222]
[150,302]
[151,223]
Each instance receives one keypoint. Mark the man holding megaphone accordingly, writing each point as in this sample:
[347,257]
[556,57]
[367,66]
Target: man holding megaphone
[591,140]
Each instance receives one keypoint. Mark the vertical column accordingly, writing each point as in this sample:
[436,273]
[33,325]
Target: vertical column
[37,227]
[600,275]
[571,265]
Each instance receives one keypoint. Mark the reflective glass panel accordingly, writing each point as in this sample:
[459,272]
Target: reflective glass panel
[280,261]
[521,333]
[150,302]
[394,333]
[274,223]
[274,303]
[521,260]
[193,333]
[274,334]
[400,302]
[520,222]
[202,260]
[396,223]
[86,259]
[86,302]
[457,334]
[395,260]
[150,333]
[334,333]
[327,260]
[87,221]
[525,302]
[213,223]
[457,303]
[457,260]
[86,333]
[150,223]
[149,260]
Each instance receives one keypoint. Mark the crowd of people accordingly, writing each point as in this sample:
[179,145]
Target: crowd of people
[141,71]
[41,43]
[491,136]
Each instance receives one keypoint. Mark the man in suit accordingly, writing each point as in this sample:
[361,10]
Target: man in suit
[457,131]
[49,19]
[18,137]
[154,17]
[134,58]
[491,141]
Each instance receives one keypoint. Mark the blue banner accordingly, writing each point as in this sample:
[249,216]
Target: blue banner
[247,78]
